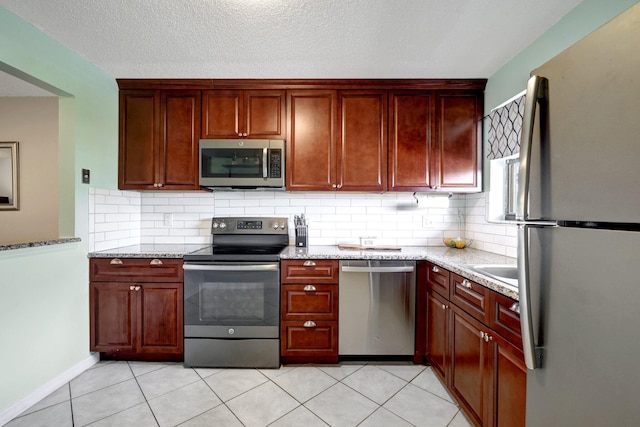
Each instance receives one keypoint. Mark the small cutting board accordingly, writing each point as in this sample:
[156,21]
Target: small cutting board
[369,248]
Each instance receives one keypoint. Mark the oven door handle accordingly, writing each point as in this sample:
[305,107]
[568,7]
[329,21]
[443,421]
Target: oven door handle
[242,267]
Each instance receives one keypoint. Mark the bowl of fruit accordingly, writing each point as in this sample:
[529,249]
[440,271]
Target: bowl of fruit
[457,242]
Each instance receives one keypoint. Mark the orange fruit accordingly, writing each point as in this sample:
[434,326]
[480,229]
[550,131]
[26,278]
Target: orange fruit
[460,244]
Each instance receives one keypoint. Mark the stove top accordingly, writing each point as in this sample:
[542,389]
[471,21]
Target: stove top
[244,239]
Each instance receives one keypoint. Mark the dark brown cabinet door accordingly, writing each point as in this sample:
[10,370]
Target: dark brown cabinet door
[510,385]
[160,306]
[139,139]
[309,341]
[243,114]
[457,151]
[362,153]
[311,140]
[158,139]
[411,133]
[470,371]
[438,311]
[178,165]
[113,316]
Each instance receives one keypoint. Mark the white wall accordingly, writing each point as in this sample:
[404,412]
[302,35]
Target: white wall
[121,218]
[33,122]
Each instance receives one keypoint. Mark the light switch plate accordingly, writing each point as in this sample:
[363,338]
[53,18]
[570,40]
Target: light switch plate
[86,176]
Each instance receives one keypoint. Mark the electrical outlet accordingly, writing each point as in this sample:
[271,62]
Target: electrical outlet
[427,222]
[168,219]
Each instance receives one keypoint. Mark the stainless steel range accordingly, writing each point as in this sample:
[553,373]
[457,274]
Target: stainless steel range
[232,295]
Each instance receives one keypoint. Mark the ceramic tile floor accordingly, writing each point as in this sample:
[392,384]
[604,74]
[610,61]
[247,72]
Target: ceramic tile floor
[145,394]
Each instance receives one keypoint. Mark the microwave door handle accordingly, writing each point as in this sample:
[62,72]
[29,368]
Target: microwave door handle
[264,163]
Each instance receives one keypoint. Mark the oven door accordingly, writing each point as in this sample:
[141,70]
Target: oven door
[233,300]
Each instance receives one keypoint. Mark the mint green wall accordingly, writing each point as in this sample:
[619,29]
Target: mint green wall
[44,309]
[586,17]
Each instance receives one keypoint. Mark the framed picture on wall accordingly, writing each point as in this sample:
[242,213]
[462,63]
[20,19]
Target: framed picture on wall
[9,176]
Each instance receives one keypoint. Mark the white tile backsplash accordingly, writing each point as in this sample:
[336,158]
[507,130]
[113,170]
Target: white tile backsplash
[120,218]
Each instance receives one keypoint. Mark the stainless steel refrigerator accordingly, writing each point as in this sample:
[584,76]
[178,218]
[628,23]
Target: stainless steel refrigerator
[579,231]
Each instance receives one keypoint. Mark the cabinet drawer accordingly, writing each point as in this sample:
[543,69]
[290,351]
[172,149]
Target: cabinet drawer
[315,342]
[438,279]
[470,296]
[317,302]
[505,318]
[310,271]
[135,270]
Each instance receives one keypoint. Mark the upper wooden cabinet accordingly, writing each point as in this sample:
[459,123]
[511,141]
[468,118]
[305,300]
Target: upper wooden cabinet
[458,149]
[243,114]
[158,142]
[342,135]
[435,141]
[311,140]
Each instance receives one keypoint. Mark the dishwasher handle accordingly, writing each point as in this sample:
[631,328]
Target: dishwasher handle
[372,269]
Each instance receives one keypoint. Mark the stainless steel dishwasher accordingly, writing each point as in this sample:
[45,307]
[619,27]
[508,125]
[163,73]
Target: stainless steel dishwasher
[377,308]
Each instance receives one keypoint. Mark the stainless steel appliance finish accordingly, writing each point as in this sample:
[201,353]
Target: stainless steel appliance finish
[232,295]
[377,308]
[579,231]
[242,163]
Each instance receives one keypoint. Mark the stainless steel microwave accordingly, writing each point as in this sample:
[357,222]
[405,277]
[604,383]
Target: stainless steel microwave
[242,163]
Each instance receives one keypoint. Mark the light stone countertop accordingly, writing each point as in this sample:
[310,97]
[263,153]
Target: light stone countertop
[454,260]
[59,241]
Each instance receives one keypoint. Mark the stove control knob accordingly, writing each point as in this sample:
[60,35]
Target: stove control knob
[214,225]
[283,225]
[223,225]
[275,225]
[231,331]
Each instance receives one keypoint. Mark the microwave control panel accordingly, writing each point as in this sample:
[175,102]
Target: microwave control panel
[275,163]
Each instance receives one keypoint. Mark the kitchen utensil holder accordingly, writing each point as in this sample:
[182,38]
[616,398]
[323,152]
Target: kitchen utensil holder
[301,236]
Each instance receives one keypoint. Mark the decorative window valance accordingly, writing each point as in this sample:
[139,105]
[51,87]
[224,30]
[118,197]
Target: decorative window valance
[505,127]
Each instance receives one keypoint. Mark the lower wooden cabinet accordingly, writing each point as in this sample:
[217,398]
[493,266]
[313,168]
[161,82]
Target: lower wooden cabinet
[136,308]
[309,311]
[472,342]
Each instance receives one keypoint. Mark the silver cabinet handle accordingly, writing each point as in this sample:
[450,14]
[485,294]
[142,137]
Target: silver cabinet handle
[467,284]
[116,261]
[309,288]
[444,307]
[435,269]
[481,335]
[155,261]
[132,288]
[309,263]
[309,324]
[515,307]
[137,288]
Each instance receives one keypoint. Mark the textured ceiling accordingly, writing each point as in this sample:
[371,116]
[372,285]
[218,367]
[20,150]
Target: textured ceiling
[294,38]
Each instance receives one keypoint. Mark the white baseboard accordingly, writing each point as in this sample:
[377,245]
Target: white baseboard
[46,389]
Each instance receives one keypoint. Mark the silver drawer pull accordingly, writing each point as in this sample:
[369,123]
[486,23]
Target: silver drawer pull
[515,307]
[309,288]
[466,284]
[435,269]
[444,307]
[156,261]
[309,263]
[309,324]
[116,261]
[132,288]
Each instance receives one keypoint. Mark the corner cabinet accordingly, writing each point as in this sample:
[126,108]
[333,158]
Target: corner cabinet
[309,311]
[243,114]
[158,141]
[136,308]
[471,337]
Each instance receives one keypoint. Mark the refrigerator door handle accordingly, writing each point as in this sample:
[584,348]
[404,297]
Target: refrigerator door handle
[536,91]
[532,354]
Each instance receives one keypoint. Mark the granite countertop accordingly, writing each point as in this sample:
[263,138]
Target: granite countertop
[147,251]
[39,243]
[452,259]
